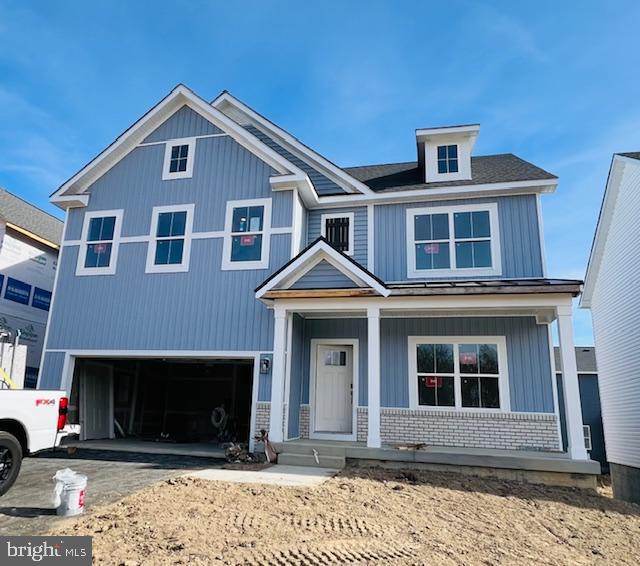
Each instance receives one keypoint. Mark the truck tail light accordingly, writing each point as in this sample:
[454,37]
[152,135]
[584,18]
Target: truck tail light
[62,412]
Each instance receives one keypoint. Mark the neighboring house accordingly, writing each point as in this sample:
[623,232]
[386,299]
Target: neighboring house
[611,292]
[29,244]
[212,261]
[589,401]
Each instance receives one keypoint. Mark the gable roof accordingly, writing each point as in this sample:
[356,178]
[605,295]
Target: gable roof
[612,188]
[502,168]
[316,252]
[238,110]
[67,194]
[29,219]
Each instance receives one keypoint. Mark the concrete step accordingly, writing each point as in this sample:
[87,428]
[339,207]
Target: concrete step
[306,449]
[335,462]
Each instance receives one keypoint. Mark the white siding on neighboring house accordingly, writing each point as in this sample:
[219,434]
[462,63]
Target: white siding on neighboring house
[613,294]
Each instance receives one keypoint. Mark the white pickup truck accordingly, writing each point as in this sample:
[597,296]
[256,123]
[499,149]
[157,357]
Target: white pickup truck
[30,421]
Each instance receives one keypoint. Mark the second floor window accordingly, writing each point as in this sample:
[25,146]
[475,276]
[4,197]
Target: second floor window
[247,234]
[99,244]
[178,159]
[169,247]
[453,241]
[338,231]
[447,159]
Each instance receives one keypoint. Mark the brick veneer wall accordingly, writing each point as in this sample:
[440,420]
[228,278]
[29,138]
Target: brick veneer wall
[304,421]
[263,415]
[511,431]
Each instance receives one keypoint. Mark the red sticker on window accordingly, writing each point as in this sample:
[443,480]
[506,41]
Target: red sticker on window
[468,358]
[99,248]
[247,240]
[432,248]
[433,381]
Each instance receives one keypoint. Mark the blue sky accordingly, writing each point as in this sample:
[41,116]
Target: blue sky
[556,83]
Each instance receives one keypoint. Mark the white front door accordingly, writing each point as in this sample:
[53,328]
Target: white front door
[334,389]
[96,410]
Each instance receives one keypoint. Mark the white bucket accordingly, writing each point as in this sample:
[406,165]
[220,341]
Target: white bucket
[69,493]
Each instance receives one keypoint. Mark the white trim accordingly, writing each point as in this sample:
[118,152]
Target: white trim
[206,235]
[203,354]
[543,249]
[554,382]
[282,230]
[314,343]
[53,298]
[558,372]
[371,213]
[350,216]
[183,266]
[496,258]
[254,401]
[263,262]
[314,255]
[201,137]
[115,243]
[287,374]
[191,151]
[374,439]
[588,440]
[503,375]
[333,172]
[278,369]
[297,224]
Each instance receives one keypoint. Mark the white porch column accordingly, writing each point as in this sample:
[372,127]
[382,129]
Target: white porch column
[572,408]
[276,423]
[373,357]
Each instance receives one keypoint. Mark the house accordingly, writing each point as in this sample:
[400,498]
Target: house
[589,401]
[610,292]
[219,277]
[29,243]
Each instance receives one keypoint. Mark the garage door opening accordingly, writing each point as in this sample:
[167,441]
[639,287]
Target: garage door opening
[163,400]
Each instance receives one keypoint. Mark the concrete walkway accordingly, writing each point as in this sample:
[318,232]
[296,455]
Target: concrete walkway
[293,476]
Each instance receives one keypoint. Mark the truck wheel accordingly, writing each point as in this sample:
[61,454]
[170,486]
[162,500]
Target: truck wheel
[10,461]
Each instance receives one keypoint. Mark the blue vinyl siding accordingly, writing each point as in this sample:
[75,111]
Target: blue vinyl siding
[51,370]
[519,237]
[359,230]
[322,184]
[184,123]
[264,381]
[323,276]
[529,362]
[295,386]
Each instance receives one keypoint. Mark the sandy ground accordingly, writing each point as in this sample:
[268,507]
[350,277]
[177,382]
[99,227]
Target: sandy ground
[363,517]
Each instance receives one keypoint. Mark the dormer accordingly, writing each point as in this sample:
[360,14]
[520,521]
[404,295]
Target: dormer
[445,153]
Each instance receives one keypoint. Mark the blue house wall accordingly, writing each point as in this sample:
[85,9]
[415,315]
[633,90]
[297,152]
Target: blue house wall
[359,229]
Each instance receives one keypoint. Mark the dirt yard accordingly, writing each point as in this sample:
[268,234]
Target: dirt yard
[363,517]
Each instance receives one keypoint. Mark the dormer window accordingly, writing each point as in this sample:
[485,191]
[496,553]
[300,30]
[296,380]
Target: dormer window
[447,159]
[178,159]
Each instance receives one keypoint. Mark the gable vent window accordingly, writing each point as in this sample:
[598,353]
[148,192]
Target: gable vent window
[337,229]
[178,159]
[447,159]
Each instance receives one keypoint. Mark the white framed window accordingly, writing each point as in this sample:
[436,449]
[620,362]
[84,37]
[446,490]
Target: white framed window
[247,231]
[458,373]
[179,155]
[459,240]
[170,239]
[338,229]
[98,252]
[586,431]
[447,156]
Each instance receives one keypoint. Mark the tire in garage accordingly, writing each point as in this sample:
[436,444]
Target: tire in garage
[10,461]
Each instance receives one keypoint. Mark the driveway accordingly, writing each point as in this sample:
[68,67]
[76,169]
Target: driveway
[27,508]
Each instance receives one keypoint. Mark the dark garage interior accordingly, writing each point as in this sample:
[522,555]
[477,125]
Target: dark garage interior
[166,400]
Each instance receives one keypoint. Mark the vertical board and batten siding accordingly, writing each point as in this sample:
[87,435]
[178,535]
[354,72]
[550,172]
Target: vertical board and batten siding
[529,361]
[295,383]
[336,328]
[359,229]
[204,309]
[54,362]
[322,184]
[184,123]
[519,237]
[615,308]
[264,381]
[324,276]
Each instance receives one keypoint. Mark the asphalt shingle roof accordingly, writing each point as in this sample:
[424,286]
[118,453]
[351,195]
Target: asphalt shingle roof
[19,212]
[585,359]
[503,168]
[632,154]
